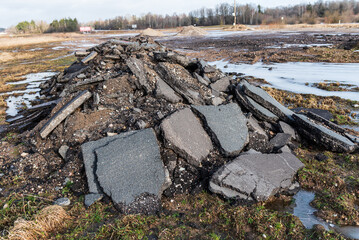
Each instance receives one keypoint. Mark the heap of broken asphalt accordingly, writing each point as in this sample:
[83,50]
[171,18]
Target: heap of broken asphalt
[148,122]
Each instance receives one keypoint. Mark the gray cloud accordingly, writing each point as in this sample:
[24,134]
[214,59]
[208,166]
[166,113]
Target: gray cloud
[14,11]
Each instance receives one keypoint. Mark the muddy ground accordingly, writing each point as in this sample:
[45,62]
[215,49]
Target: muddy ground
[270,46]
[201,216]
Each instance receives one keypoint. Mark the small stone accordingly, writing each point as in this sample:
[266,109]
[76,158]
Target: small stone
[160,115]
[63,150]
[217,101]
[63,202]
[24,154]
[111,134]
[141,124]
[137,110]
[81,76]
[294,186]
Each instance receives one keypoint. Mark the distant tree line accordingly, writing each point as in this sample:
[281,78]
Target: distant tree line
[2,29]
[62,25]
[319,12]
[343,11]
[31,27]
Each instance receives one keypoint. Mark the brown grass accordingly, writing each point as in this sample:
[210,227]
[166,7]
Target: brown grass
[11,56]
[50,219]
[20,40]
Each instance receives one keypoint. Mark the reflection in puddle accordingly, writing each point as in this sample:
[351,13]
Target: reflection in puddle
[20,98]
[299,76]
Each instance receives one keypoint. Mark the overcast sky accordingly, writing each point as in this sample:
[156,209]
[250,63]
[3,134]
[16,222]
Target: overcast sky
[14,11]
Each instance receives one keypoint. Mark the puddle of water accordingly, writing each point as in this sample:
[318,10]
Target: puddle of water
[34,49]
[305,213]
[77,45]
[58,48]
[120,35]
[294,76]
[301,45]
[31,92]
[61,57]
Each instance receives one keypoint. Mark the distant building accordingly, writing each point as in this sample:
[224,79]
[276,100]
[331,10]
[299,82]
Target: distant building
[85,29]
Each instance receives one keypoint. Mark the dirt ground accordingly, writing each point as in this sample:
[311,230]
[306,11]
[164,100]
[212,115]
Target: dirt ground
[270,46]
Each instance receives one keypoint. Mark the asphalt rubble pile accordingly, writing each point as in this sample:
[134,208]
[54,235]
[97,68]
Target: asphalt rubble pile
[147,122]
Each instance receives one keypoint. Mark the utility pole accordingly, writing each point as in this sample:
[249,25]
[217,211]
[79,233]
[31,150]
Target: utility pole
[235,14]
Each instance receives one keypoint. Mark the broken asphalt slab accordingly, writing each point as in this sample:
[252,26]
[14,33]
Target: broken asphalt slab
[166,92]
[130,167]
[323,136]
[227,126]
[137,68]
[286,128]
[89,158]
[255,108]
[178,84]
[184,134]
[258,139]
[256,177]
[221,85]
[267,101]
[65,111]
[91,56]
[279,141]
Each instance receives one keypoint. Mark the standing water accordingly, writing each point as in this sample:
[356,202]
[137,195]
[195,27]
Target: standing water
[305,213]
[298,77]
[23,98]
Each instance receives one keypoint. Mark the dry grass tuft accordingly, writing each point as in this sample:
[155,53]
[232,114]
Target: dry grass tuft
[2,102]
[50,219]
